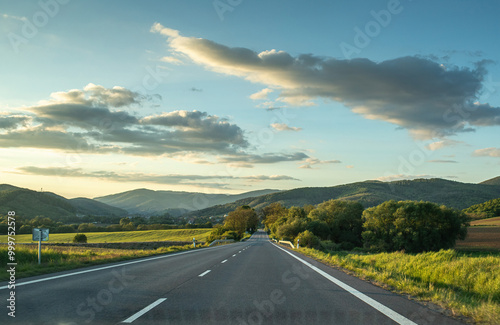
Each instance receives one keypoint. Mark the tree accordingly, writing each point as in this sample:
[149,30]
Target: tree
[412,226]
[87,227]
[271,213]
[344,218]
[242,219]
[307,239]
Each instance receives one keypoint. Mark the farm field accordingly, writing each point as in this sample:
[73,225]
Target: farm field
[486,222]
[123,236]
[481,238]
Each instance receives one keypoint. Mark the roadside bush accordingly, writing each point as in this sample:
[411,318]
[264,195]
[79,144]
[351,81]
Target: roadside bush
[308,239]
[217,233]
[231,235]
[80,238]
[328,245]
[412,226]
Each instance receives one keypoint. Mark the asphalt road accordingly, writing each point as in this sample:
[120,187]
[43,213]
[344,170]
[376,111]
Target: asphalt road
[254,282]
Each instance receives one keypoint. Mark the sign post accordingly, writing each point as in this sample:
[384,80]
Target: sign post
[40,234]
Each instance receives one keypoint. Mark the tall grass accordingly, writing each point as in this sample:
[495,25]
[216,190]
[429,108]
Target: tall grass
[56,259]
[466,283]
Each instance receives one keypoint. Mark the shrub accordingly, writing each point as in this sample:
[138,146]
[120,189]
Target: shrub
[412,226]
[308,239]
[328,245]
[80,238]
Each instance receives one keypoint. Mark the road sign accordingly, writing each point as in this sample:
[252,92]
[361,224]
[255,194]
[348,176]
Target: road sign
[40,234]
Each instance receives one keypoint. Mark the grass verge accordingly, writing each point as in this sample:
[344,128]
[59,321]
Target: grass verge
[466,283]
[56,258]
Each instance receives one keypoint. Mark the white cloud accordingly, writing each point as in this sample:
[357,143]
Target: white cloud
[211,181]
[310,162]
[414,93]
[91,120]
[5,16]
[284,127]
[443,161]
[442,144]
[487,152]
[262,94]
[171,59]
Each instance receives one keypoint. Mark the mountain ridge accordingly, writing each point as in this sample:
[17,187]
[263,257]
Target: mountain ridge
[147,202]
[29,203]
[371,193]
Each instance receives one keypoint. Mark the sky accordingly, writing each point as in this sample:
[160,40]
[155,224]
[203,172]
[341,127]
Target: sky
[230,96]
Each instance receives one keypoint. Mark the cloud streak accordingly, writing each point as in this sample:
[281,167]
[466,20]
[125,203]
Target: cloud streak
[415,93]
[210,181]
[487,152]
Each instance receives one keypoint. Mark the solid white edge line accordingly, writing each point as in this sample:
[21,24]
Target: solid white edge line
[109,267]
[398,318]
[204,273]
[144,310]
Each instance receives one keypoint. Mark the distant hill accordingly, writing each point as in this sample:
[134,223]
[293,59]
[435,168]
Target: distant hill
[149,202]
[30,203]
[371,193]
[484,210]
[493,181]
[92,207]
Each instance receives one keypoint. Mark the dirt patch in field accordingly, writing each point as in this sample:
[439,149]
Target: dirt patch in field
[481,238]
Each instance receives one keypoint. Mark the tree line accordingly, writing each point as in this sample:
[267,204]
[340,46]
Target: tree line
[345,225]
[25,225]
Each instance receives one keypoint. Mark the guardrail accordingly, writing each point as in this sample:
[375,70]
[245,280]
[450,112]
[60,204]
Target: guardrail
[287,242]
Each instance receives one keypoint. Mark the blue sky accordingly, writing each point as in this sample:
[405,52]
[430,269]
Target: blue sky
[99,97]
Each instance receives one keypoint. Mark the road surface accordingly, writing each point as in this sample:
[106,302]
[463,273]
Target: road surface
[254,282]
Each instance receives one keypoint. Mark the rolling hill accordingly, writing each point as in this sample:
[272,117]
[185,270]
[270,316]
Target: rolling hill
[485,210]
[149,202]
[492,181]
[371,193]
[30,204]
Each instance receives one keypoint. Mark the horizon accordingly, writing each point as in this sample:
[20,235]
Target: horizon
[256,190]
[207,98]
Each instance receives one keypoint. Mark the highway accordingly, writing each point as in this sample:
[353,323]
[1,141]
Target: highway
[253,282]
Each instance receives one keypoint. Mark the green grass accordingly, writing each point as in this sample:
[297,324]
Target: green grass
[466,283]
[123,236]
[57,258]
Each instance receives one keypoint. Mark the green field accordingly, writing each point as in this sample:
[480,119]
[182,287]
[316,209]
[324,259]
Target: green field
[123,236]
